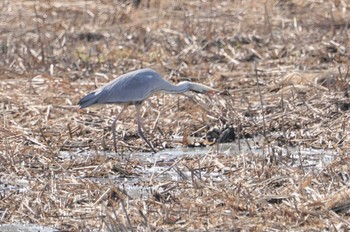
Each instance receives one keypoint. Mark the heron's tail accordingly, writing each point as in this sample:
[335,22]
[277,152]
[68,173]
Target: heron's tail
[88,100]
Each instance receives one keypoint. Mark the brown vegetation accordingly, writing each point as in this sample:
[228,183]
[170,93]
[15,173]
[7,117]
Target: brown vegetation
[283,66]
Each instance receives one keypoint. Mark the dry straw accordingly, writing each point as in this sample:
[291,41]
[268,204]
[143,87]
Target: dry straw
[283,65]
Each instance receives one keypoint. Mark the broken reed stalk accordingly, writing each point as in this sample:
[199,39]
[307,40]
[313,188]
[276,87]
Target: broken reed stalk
[267,20]
[145,221]
[262,105]
[282,122]
[40,34]
[126,215]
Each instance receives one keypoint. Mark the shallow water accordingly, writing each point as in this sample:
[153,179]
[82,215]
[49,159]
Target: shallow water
[164,159]
[161,168]
[25,228]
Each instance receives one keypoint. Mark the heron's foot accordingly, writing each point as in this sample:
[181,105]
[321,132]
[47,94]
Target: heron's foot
[115,147]
[149,144]
[146,140]
[154,150]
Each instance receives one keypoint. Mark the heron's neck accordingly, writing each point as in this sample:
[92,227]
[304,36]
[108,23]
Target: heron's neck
[179,88]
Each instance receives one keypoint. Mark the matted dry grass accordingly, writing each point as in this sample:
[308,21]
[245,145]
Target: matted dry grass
[283,64]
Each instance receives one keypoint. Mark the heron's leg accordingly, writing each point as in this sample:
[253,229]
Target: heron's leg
[113,127]
[139,124]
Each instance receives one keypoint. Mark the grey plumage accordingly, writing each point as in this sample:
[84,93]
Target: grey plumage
[143,82]
[133,88]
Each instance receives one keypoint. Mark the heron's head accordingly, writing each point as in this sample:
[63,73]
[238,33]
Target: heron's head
[199,88]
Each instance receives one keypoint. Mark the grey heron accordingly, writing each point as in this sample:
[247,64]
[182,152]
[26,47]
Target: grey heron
[132,89]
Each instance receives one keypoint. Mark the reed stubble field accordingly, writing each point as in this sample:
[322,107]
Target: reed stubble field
[283,68]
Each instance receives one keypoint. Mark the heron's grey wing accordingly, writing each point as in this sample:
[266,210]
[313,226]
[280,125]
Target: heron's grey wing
[130,88]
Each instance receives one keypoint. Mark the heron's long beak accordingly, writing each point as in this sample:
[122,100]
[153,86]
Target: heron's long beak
[199,88]
[210,90]
[213,91]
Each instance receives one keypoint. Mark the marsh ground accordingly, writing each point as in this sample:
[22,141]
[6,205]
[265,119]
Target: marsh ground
[283,66]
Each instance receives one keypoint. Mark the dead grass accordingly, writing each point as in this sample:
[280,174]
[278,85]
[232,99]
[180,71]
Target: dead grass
[283,64]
